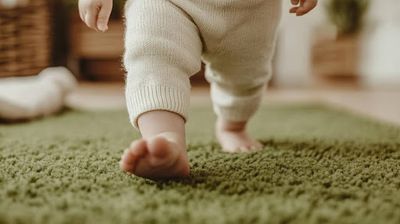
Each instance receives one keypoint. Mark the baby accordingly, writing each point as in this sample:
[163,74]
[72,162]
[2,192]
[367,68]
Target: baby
[166,40]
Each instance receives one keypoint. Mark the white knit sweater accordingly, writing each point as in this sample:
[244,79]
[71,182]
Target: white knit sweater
[167,39]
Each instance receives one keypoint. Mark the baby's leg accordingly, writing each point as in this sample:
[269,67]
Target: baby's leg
[234,106]
[161,153]
[238,70]
[162,50]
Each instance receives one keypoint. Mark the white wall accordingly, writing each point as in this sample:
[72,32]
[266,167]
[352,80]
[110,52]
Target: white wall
[380,51]
[380,62]
[293,64]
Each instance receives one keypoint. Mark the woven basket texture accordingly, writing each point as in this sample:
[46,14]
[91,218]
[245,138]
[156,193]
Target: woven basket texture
[25,39]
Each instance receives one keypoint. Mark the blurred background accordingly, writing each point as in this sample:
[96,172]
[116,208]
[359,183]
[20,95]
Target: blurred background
[345,53]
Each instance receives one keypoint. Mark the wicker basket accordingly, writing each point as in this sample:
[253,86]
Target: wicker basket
[25,39]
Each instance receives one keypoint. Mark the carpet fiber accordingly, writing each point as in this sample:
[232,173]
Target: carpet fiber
[318,166]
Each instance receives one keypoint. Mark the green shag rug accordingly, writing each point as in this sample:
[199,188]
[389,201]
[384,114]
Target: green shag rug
[319,165]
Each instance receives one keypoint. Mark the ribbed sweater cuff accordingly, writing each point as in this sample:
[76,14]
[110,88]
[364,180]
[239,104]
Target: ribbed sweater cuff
[155,97]
[235,108]
[237,113]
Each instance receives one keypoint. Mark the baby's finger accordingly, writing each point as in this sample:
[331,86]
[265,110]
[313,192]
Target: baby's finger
[82,15]
[104,16]
[295,2]
[90,19]
[293,10]
[81,11]
[306,6]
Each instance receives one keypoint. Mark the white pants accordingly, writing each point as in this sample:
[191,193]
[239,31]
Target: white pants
[167,39]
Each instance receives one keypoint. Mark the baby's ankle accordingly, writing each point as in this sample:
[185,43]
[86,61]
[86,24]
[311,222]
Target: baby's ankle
[171,136]
[169,125]
[231,126]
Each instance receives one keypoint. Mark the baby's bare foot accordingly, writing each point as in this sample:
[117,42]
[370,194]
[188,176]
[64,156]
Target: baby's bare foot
[156,158]
[233,137]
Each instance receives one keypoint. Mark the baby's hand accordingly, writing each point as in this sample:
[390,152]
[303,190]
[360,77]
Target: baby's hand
[304,7]
[96,13]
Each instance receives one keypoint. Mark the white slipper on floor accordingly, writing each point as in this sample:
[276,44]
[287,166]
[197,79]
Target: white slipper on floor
[31,97]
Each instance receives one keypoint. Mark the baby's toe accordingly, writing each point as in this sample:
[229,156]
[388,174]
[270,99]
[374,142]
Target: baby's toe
[231,149]
[159,147]
[247,148]
[130,157]
[255,148]
[163,152]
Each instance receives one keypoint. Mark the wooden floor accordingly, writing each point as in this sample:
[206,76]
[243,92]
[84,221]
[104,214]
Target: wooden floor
[379,104]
